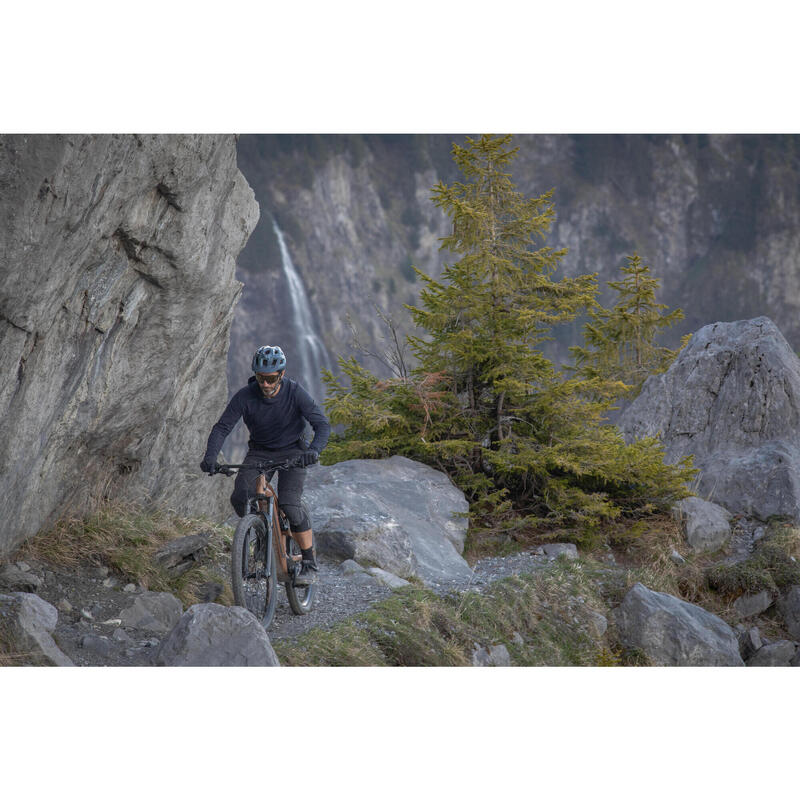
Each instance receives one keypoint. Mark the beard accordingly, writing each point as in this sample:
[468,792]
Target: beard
[271,391]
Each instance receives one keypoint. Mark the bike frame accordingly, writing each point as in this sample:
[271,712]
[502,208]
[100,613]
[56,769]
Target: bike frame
[267,502]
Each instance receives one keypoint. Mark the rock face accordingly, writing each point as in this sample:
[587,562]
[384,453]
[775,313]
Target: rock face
[210,635]
[671,632]
[26,625]
[706,525]
[731,399]
[117,261]
[393,512]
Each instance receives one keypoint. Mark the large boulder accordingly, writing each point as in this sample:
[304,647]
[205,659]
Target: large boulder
[210,635]
[672,632]
[26,625]
[731,399]
[117,293]
[706,526]
[396,513]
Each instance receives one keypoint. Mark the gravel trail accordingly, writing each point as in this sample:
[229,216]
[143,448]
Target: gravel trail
[340,596]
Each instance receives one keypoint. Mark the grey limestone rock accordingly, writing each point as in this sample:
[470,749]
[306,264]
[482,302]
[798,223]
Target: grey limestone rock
[731,399]
[672,632]
[749,642]
[494,656]
[157,612]
[26,626]
[350,567]
[748,605]
[597,624]
[99,645]
[706,525]
[387,578]
[556,549]
[180,555]
[210,635]
[14,579]
[121,636]
[117,292]
[789,606]
[676,558]
[394,512]
[777,654]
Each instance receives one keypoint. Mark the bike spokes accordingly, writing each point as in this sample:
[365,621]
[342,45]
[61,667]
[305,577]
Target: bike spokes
[254,584]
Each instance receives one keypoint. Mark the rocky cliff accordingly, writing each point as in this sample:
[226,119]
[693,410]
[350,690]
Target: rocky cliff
[717,217]
[118,290]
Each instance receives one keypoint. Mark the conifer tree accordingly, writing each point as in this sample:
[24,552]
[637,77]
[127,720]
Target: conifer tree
[620,342]
[483,403]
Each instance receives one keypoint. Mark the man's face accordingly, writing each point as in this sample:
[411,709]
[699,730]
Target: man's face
[269,382]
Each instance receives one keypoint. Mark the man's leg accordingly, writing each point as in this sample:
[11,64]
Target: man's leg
[290,491]
[304,538]
[245,484]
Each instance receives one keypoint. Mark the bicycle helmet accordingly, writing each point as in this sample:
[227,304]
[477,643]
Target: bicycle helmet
[269,359]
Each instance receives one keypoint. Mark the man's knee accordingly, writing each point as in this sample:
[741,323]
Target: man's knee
[298,516]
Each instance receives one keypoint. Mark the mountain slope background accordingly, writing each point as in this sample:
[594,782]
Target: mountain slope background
[716,217]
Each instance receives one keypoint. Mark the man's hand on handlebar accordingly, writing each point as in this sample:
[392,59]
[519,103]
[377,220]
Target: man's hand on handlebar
[309,457]
[208,466]
[212,468]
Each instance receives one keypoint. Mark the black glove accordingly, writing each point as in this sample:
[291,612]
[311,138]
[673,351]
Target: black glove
[209,466]
[310,457]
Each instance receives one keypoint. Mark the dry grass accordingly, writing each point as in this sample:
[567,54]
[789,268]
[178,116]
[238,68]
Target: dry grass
[125,538]
[549,610]
[16,659]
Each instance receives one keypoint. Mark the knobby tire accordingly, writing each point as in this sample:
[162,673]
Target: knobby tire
[253,570]
[301,598]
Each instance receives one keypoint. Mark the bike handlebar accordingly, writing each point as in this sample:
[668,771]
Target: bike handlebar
[262,466]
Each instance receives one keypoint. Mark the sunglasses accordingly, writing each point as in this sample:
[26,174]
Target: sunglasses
[269,379]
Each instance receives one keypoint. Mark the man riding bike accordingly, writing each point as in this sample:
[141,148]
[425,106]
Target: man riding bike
[274,409]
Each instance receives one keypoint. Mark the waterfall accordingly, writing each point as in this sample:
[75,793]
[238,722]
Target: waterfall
[311,355]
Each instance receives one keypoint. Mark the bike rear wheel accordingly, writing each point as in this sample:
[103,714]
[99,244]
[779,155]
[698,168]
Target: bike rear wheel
[301,598]
[253,569]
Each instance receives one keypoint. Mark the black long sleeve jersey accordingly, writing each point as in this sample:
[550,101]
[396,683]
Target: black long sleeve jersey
[275,423]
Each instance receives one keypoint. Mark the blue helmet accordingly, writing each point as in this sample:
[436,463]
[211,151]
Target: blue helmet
[269,359]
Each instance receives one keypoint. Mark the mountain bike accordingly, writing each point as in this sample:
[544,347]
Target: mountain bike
[263,550]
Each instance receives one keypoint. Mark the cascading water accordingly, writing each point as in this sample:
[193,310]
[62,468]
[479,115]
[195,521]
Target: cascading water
[311,355]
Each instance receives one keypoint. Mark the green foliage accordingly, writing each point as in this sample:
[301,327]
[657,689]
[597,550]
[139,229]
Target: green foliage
[770,567]
[620,342]
[484,404]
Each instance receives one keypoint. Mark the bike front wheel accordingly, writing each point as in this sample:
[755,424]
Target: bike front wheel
[301,598]
[253,569]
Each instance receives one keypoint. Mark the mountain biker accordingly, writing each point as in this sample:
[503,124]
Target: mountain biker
[274,409]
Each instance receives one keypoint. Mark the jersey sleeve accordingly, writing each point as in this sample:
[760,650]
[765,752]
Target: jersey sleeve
[318,421]
[226,423]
